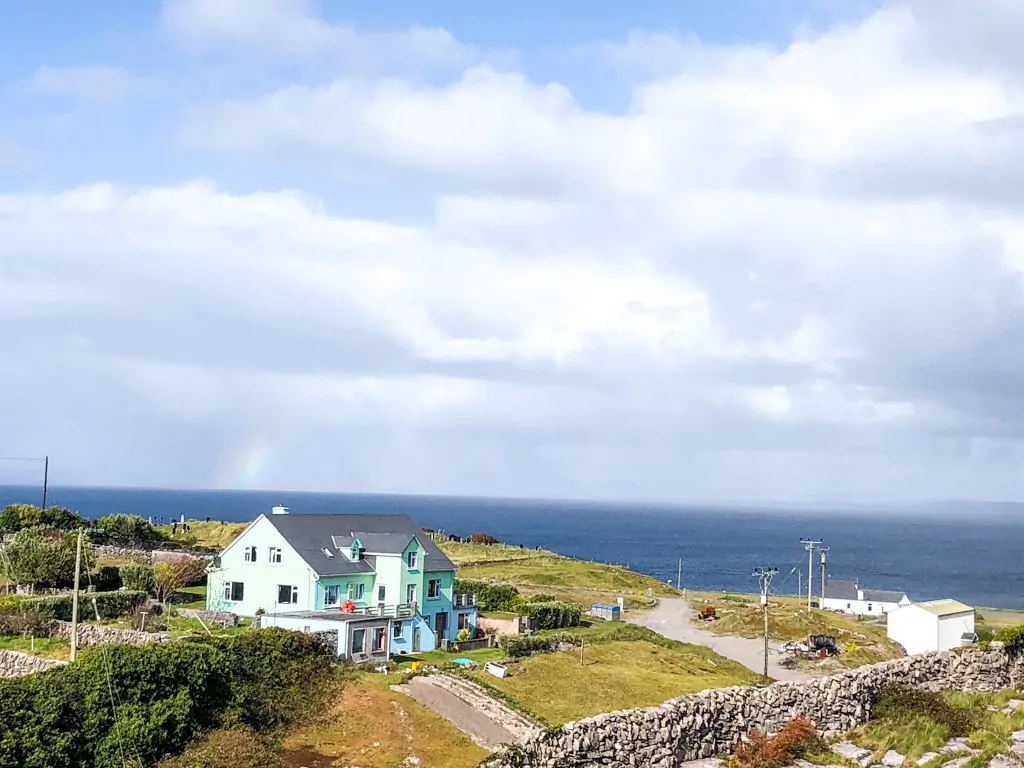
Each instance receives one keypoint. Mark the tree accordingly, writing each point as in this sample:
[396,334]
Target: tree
[172,576]
[138,577]
[44,557]
[129,529]
[16,517]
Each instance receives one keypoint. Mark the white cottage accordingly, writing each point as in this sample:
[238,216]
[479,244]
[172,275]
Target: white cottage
[851,597]
[936,625]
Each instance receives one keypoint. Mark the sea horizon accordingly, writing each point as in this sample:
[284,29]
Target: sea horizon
[971,557]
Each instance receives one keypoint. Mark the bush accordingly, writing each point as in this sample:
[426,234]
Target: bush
[17,517]
[481,538]
[129,529]
[229,748]
[553,615]
[138,577]
[524,645]
[29,622]
[896,703]
[107,578]
[542,598]
[168,693]
[797,738]
[464,634]
[44,557]
[111,605]
[1011,637]
[490,597]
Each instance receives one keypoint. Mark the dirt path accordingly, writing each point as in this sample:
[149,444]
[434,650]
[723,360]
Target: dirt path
[481,727]
[673,619]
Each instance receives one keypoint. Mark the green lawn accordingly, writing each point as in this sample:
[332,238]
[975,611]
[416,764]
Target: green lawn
[480,656]
[49,647]
[193,598]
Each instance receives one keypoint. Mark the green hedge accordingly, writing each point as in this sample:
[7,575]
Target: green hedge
[111,605]
[490,597]
[554,615]
[167,694]
[524,645]
[1011,637]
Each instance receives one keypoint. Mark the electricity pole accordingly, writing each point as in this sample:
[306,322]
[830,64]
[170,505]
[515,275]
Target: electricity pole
[679,575]
[74,598]
[809,545]
[46,478]
[764,577]
[823,551]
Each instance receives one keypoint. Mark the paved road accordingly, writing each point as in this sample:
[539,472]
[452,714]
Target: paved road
[475,724]
[672,618]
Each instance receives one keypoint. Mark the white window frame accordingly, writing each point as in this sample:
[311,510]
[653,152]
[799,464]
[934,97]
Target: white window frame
[463,622]
[381,593]
[337,595]
[250,554]
[229,591]
[396,630]
[356,590]
[274,555]
[294,594]
[411,559]
[430,591]
[410,593]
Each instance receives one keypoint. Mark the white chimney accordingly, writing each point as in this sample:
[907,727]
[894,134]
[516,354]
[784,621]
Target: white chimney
[280,509]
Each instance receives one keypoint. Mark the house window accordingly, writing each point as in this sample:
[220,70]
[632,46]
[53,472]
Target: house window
[359,641]
[464,621]
[379,637]
[411,559]
[275,555]
[355,591]
[433,589]
[380,593]
[250,554]
[355,551]
[410,593]
[332,594]
[869,608]
[848,606]
[287,594]
[234,591]
[396,630]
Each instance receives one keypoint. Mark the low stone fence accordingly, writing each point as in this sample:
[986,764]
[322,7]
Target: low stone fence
[14,664]
[92,634]
[712,722]
[222,618]
[468,645]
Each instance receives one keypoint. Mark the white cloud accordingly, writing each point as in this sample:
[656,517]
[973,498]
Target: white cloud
[803,262]
[90,84]
[293,28]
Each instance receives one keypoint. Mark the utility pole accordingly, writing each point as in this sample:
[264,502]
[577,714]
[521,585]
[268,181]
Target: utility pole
[679,575]
[764,577]
[809,545]
[799,583]
[823,551]
[46,477]
[74,598]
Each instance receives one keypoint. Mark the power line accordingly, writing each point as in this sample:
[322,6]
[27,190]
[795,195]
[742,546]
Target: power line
[764,578]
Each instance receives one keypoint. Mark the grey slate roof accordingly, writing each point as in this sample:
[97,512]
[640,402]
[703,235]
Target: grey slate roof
[847,590]
[379,534]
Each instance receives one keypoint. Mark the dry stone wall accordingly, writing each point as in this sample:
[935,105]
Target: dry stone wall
[712,722]
[14,664]
[94,634]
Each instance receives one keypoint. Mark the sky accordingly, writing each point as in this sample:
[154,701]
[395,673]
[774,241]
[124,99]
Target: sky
[747,250]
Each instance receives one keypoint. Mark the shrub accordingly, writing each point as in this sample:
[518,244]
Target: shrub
[111,605]
[44,557]
[229,748]
[106,578]
[797,738]
[129,529]
[542,598]
[490,597]
[1011,637]
[464,634]
[553,615]
[28,622]
[481,538]
[524,645]
[897,703]
[176,574]
[16,517]
[138,577]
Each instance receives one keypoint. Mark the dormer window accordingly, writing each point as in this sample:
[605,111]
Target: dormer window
[411,559]
[356,552]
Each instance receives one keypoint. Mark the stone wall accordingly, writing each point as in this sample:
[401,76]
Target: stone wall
[222,618]
[710,723]
[113,551]
[500,626]
[14,664]
[92,634]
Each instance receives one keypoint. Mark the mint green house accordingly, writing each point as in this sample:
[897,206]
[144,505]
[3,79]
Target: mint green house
[378,580]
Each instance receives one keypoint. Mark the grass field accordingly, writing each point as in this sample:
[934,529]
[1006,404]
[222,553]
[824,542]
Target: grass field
[215,534]
[373,727]
[788,619]
[534,571]
[640,669]
[47,647]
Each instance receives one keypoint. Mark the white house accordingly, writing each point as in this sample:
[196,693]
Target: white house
[936,625]
[851,597]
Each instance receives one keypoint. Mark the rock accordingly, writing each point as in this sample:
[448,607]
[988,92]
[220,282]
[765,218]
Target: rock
[958,763]
[927,757]
[1014,704]
[852,752]
[1000,761]
[1017,736]
[893,759]
[708,762]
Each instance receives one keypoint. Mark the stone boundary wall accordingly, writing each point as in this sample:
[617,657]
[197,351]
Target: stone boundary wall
[14,664]
[711,723]
[92,634]
[500,626]
[221,618]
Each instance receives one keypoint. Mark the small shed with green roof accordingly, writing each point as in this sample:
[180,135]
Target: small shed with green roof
[932,625]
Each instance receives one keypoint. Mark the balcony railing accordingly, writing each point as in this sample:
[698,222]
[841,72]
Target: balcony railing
[400,611]
[464,601]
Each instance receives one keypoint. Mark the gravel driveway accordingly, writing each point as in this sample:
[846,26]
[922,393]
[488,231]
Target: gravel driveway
[673,619]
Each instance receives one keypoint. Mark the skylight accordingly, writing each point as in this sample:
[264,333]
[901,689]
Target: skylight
[327,552]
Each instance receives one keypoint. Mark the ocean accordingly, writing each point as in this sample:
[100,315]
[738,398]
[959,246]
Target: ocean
[971,552]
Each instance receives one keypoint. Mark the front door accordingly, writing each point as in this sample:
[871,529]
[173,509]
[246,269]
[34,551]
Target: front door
[415,639]
[441,625]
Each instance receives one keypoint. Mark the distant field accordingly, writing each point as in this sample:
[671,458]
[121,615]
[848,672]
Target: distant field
[215,534]
[47,647]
